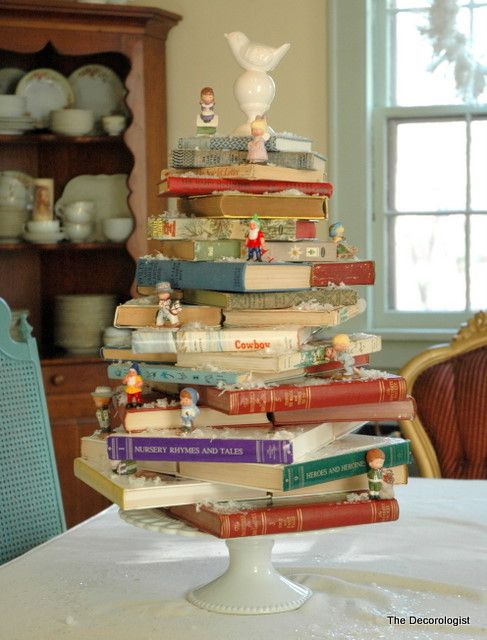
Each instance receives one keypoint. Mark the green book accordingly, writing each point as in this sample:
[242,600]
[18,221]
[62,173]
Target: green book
[201,249]
[341,459]
[335,296]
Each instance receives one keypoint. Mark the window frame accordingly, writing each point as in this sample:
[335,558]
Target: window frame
[358,92]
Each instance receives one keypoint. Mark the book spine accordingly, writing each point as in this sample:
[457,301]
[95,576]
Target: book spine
[313,472]
[201,249]
[300,251]
[198,275]
[181,186]
[293,518]
[240,143]
[165,228]
[200,449]
[177,375]
[349,273]
[292,397]
[194,158]
[282,300]
[242,341]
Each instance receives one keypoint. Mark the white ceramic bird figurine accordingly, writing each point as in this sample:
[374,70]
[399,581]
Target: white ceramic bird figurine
[252,55]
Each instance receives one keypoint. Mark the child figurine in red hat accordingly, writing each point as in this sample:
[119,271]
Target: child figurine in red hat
[133,386]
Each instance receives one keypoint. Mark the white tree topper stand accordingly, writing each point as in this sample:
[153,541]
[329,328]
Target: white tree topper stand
[250,585]
[254,89]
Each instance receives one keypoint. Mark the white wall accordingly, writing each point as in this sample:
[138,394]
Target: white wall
[198,55]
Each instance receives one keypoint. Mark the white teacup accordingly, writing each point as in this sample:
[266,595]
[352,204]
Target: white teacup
[77,232]
[117,229]
[114,125]
[80,211]
[43,226]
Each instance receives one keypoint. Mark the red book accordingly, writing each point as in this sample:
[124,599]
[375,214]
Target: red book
[177,186]
[372,411]
[351,273]
[239,522]
[335,365]
[325,393]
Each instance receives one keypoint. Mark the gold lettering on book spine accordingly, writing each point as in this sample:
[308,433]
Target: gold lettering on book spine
[225,526]
[263,522]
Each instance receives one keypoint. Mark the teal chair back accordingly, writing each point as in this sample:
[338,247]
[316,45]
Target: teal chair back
[31,509]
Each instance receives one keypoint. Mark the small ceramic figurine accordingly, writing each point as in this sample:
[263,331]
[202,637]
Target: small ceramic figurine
[387,490]
[188,399]
[375,460]
[257,153]
[341,346]
[168,310]
[336,233]
[102,397]
[207,120]
[133,386]
[255,240]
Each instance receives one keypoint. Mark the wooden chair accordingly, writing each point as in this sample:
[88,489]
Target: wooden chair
[449,383]
[31,509]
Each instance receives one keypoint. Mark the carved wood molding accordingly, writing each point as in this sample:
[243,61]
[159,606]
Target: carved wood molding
[476,327]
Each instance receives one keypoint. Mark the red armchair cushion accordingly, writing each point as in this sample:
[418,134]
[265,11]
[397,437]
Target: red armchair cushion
[451,401]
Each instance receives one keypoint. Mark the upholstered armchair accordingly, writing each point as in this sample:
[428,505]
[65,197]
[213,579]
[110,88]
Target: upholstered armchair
[449,383]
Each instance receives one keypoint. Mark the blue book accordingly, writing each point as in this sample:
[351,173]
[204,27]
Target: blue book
[183,375]
[223,276]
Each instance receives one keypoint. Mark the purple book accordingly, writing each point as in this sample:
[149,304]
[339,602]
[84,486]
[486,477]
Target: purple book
[199,449]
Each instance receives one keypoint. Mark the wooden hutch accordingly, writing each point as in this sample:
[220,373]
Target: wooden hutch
[64,36]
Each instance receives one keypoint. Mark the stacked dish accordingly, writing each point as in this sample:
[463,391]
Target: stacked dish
[80,319]
[13,117]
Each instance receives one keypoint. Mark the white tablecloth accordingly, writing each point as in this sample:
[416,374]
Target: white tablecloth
[108,579]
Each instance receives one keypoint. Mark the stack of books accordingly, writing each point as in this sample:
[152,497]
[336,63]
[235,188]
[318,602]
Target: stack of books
[278,411]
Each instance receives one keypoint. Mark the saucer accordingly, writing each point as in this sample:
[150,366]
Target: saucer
[44,238]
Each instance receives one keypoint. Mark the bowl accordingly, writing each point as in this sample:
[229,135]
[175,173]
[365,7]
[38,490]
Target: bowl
[114,125]
[117,229]
[72,122]
[77,232]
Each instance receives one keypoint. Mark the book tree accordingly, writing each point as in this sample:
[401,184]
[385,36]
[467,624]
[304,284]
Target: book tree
[249,392]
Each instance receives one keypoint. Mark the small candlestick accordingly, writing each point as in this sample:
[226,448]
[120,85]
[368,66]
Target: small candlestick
[207,120]
[257,153]
[255,240]
[375,460]
[102,397]
[188,398]
[168,310]
[43,199]
[133,386]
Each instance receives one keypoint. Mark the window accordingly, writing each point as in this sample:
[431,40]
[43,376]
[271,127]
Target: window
[420,154]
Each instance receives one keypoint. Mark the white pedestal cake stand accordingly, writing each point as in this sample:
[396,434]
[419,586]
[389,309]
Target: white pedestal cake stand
[250,585]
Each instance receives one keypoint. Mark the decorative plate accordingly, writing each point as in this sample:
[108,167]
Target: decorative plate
[46,90]
[9,78]
[98,88]
[109,193]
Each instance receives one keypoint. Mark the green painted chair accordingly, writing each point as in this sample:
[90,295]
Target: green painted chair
[31,509]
